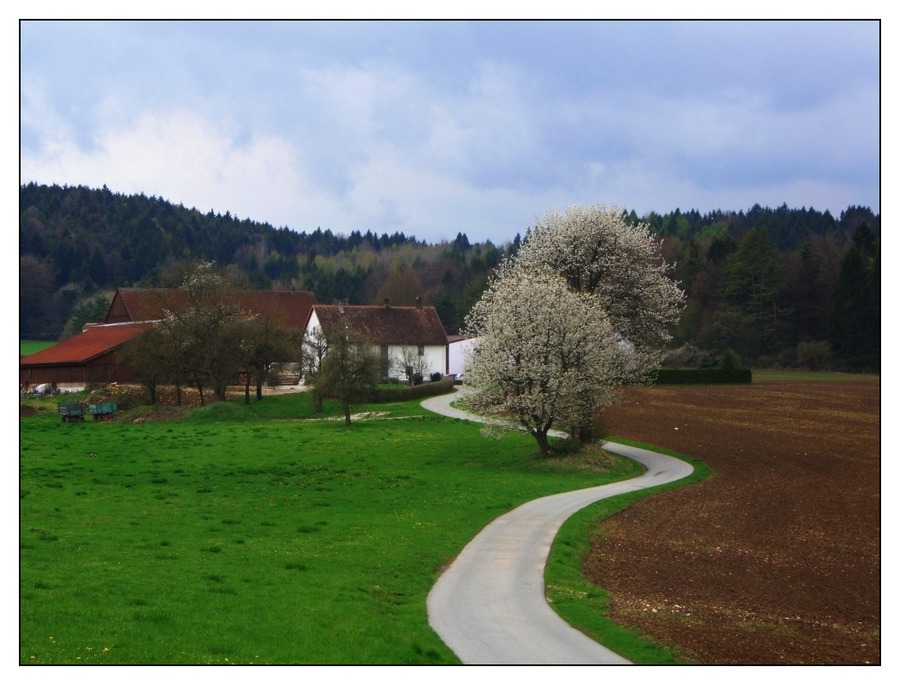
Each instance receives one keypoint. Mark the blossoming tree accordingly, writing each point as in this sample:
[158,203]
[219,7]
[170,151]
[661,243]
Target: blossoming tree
[585,305]
[542,350]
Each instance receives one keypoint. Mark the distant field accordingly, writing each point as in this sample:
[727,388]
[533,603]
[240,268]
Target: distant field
[27,347]
[788,375]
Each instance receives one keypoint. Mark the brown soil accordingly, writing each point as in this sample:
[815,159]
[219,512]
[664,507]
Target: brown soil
[775,558]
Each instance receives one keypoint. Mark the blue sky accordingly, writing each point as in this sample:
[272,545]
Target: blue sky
[432,128]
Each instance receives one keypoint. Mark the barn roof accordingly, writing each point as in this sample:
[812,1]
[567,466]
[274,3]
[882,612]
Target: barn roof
[82,348]
[381,325]
[148,304]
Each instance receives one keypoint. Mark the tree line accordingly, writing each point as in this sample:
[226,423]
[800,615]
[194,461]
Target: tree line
[765,286]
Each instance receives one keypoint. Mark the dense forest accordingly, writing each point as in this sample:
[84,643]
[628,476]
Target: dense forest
[773,287]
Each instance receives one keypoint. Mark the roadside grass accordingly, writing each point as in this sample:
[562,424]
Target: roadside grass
[260,533]
[584,605]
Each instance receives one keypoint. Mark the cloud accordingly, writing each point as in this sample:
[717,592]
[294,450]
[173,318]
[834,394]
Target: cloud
[432,128]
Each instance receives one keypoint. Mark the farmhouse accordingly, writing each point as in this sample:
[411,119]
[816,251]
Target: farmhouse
[415,333]
[412,334]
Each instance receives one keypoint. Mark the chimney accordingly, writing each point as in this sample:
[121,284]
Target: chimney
[387,303]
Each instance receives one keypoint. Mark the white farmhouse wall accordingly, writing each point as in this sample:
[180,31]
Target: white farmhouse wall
[435,357]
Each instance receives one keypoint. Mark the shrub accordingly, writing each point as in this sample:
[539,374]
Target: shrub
[688,356]
[814,354]
[729,359]
[414,392]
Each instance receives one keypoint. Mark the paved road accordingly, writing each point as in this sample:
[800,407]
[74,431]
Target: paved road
[489,605]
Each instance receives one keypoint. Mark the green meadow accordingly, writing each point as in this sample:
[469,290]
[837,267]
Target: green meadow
[27,347]
[259,533]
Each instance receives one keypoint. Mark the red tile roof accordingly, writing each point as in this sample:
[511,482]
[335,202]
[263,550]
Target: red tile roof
[82,348]
[380,325]
[137,304]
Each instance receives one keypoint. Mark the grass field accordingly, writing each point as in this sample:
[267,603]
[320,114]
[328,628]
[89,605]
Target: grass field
[27,347]
[256,534]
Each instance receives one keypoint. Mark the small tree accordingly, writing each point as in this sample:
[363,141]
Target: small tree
[546,354]
[264,344]
[410,364]
[348,372]
[151,355]
[202,324]
[314,349]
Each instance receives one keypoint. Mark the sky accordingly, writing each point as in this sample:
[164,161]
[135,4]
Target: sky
[432,128]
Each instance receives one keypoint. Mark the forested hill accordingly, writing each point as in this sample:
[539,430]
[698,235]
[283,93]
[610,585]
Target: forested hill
[76,245]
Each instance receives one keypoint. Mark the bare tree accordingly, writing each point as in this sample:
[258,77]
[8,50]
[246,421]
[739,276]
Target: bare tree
[200,323]
[264,344]
[348,372]
[410,364]
[151,355]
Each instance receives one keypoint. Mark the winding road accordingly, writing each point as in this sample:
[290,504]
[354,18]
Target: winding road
[489,606]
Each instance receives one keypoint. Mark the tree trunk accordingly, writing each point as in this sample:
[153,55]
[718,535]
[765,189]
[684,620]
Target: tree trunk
[347,414]
[543,442]
[247,391]
[259,394]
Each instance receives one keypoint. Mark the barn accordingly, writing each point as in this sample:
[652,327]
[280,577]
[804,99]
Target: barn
[83,359]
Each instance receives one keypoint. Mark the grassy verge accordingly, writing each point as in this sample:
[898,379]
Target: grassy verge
[786,375]
[583,604]
[257,533]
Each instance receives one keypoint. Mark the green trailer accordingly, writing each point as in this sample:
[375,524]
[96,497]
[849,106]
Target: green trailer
[103,411]
[71,412]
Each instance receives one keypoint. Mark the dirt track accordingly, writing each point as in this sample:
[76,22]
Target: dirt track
[775,559]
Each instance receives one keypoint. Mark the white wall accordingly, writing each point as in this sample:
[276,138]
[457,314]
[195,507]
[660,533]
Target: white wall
[458,351]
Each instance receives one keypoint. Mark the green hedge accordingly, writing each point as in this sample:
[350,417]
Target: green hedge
[702,376]
[415,392]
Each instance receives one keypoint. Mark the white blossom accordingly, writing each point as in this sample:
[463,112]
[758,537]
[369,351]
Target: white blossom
[585,305]
[598,252]
[544,353]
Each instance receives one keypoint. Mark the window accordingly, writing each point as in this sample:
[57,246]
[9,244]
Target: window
[421,350]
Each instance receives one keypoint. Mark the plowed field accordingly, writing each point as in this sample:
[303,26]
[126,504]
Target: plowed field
[774,559]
